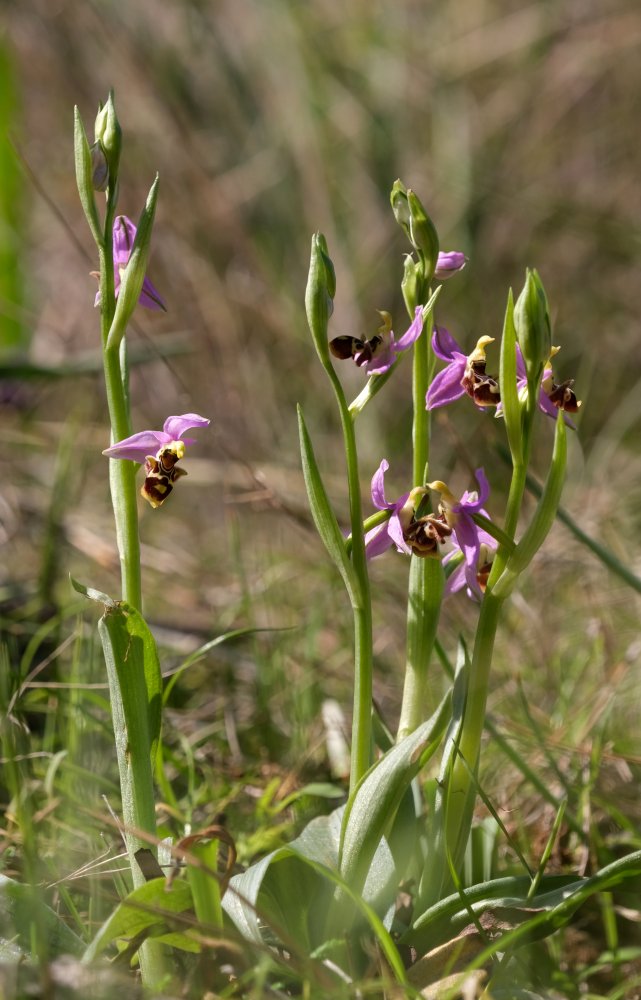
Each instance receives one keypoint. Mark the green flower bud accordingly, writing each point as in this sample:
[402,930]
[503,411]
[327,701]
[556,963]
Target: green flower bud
[532,322]
[400,206]
[319,295]
[109,134]
[423,234]
[412,283]
[99,167]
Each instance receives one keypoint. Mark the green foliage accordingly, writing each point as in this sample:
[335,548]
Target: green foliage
[371,809]
[149,909]
[18,907]
[323,514]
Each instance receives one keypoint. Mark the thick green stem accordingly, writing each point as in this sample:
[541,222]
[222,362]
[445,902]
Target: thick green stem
[426,581]
[122,479]
[136,778]
[361,756]
[425,593]
[461,788]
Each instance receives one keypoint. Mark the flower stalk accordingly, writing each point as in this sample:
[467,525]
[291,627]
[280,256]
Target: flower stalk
[136,777]
[319,297]
[426,578]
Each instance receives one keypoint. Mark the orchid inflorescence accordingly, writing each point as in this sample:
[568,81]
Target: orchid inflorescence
[411,526]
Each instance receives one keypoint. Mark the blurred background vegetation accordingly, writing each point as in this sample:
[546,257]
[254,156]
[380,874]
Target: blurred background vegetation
[517,124]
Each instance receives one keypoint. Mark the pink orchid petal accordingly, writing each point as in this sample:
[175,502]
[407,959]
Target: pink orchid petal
[383,361]
[138,446]
[395,532]
[150,297]
[378,487]
[446,386]
[377,541]
[412,333]
[124,234]
[448,263]
[445,346]
[456,580]
[175,427]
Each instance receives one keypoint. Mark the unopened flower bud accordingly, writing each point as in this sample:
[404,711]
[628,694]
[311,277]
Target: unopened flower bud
[423,233]
[319,295]
[400,206]
[99,167]
[532,322]
[109,134]
[449,263]
[412,283]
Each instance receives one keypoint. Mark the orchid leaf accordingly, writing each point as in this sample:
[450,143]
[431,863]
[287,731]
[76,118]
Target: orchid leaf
[149,908]
[507,898]
[444,823]
[507,383]
[131,649]
[134,273]
[204,886]
[133,667]
[370,812]
[290,891]
[323,514]
[544,516]
[84,177]
[295,900]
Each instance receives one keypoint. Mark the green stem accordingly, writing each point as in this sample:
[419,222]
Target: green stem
[136,779]
[460,790]
[425,593]
[422,372]
[122,479]
[461,793]
[361,755]
[426,581]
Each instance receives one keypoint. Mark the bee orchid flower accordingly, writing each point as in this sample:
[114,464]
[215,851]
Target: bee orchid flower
[553,396]
[477,546]
[463,374]
[377,355]
[408,530]
[159,451]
